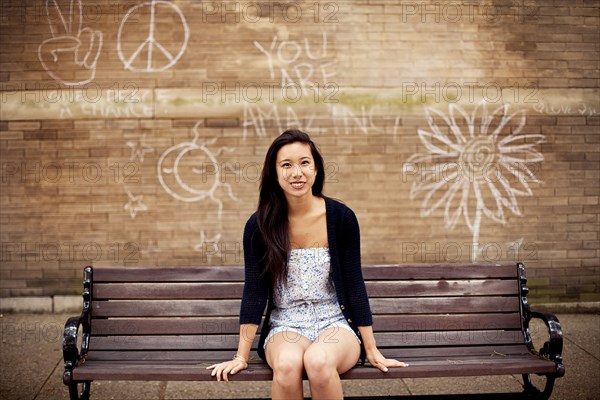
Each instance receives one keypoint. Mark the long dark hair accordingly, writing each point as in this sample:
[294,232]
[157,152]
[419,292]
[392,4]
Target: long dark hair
[272,212]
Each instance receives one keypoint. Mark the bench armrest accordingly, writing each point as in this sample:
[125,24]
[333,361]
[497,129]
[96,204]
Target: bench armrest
[71,354]
[552,348]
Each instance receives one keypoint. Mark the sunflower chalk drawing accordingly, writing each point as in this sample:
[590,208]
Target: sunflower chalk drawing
[481,171]
[160,50]
[194,160]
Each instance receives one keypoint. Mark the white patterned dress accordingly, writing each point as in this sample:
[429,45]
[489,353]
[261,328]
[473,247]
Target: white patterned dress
[308,304]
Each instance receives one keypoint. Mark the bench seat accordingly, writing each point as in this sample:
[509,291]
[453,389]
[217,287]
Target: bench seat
[192,370]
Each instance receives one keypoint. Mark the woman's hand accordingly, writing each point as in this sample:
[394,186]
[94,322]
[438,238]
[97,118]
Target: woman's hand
[224,368]
[379,361]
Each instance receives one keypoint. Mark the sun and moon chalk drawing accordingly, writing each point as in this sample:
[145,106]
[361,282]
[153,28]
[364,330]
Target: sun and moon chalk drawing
[185,157]
[478,168]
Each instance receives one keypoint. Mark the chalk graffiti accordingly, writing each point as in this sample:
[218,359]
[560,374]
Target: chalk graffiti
[287,57]
[73,50]
[565,109]
[139,148]
[471,172]
[166,55]
[134,205]
[186,156]
[298,66]
[344,119]
[138,104]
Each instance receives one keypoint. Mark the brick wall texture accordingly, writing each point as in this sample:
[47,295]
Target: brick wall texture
[133,132]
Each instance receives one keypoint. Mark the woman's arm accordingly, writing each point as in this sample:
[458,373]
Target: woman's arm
[247,334]
[373,354]
[240,362]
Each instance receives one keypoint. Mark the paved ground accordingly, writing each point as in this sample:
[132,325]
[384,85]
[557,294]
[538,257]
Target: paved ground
[31,368]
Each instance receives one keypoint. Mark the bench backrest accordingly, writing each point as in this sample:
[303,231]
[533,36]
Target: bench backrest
[174,313]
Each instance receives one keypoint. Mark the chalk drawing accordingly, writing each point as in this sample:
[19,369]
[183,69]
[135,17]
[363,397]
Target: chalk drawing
[290,58]
[346,119]
[465,171]
[298,67]
[165,57]
[134,205]
[70,44]
[139,148]
[138,104]
[170,166]
[585,109]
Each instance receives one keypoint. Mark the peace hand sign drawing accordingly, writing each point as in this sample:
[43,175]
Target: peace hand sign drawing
[70,55]
[152,54]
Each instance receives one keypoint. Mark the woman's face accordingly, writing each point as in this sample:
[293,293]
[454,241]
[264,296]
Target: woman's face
[296,169]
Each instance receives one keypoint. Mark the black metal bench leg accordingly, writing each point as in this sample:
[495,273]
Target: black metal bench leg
[85,390]
[530,390]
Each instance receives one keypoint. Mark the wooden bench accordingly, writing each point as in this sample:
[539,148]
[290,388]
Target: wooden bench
[168,324]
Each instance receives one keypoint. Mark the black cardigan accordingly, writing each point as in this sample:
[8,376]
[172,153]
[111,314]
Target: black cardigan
[343,235]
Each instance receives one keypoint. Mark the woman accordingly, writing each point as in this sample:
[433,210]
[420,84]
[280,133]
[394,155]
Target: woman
[302,258]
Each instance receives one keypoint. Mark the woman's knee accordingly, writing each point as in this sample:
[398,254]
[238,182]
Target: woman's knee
[318,365]
[287,366]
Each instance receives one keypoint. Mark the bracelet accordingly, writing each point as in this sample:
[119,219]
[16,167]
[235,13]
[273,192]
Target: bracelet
[238,357]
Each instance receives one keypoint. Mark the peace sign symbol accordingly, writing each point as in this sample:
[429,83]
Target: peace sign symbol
[152,55]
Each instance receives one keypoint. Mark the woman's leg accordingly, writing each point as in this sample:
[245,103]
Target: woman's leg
[335,351]
[284,352]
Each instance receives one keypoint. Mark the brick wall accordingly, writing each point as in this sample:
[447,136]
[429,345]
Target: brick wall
[441,124]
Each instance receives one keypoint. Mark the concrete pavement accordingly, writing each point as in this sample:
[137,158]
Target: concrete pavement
[31,368]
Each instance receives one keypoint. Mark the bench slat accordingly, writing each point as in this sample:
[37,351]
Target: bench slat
[111,370]
[381,323]
[167,291]
[187,308]
[169,274]
[400,354]
[445,305]
[437,272]
[422,288]
[231,290]
[384,339]
[236,273]
[433,322]
[163,308]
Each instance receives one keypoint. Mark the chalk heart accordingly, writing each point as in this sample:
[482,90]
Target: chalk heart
[188,172]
